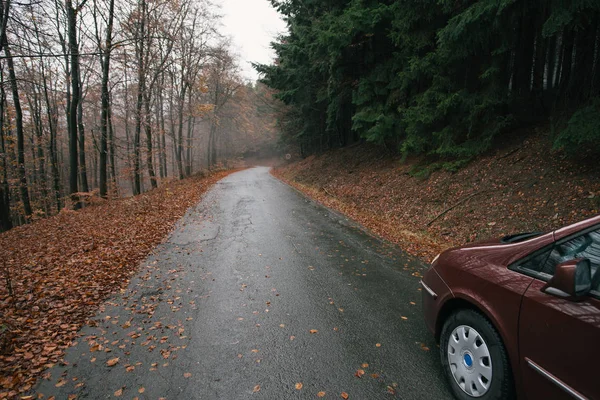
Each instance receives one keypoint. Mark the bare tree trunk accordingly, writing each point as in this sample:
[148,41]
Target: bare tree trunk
[74,103]
[179,150]
[140,55]
[111,147]
[5,220]
[104,118]
[19,127]
[149,147]
[52,116]
[83,178]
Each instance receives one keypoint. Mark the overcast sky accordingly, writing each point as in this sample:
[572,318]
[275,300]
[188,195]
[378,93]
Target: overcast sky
[252,25]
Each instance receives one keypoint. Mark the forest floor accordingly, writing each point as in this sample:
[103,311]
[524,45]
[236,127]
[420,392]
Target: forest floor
[59,270]
[522,186]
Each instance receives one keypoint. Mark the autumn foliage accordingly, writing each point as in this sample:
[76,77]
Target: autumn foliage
[56,272]
[523,187]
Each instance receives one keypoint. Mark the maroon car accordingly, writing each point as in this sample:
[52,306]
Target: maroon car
[519,316]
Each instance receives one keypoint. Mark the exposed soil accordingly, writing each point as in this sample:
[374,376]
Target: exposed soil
[522,187]
[61,269]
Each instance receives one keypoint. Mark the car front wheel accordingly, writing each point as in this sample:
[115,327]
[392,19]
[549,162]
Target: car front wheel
[474,358]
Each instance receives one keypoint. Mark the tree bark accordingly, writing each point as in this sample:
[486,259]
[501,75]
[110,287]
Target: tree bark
[23,189]
[83,175]
[74,103]
[104,118]
[5,219]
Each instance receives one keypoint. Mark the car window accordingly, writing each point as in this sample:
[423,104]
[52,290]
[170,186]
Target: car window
[535,263]
[584,246]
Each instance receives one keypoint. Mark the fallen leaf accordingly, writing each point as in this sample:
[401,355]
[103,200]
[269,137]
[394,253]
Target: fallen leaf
[119,393]
[378,345]
[112,362]
[359,373]
[141,390]
[321,394]
[344,396]
[313,331]
[256,389]
[404,318]
[365,365]
[299,385]
[187,375]
[60,383]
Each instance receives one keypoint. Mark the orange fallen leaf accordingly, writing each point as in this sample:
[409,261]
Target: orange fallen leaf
[119,393]
[187,375]
[359,373]
[344,395]
[365,365]
[256,389]
[60,383]
[404,318]
[313,331]
[321,394]
[141,390]
[299,385]
[112,362]
[378,345]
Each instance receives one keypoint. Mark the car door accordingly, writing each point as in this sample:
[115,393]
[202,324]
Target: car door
[559,338]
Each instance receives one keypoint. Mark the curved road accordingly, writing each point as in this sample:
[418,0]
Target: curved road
[257,290]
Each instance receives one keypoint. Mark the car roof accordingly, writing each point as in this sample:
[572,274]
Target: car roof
[574,228]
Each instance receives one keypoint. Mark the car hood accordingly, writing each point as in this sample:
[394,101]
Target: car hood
[496,252]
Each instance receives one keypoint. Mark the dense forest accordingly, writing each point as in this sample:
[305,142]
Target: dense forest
[437,77]
[110,98]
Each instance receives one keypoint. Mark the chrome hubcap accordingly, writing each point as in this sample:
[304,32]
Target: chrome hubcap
[470,361]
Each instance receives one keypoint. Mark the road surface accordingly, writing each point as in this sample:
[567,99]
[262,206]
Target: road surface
[259,293]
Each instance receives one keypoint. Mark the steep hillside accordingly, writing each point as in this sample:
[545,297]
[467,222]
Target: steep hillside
[522,187]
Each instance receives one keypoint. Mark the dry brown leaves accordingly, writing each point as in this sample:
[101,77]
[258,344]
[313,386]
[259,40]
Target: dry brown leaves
[62,268]
[522,187]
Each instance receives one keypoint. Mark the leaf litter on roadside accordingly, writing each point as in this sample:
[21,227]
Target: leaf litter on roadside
[70,264]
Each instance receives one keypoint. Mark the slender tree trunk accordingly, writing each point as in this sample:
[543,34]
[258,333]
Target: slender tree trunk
[161,137]
[5,220]
[140,99]
[111,147]
[149,147]
[52,116]
[565,74]
[104,118]
[74,104]
[39,136]
[83,176]
[179,151]
[551,62]
[23,189]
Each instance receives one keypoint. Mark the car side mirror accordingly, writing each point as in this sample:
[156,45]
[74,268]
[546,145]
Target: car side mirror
[571,279]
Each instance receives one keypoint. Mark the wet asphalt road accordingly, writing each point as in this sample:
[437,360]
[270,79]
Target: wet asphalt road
[225,307]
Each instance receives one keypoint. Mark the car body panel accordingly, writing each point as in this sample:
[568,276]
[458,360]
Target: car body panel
[572,229]
[495,291]
[561,336]
[479,274]
[433,302]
